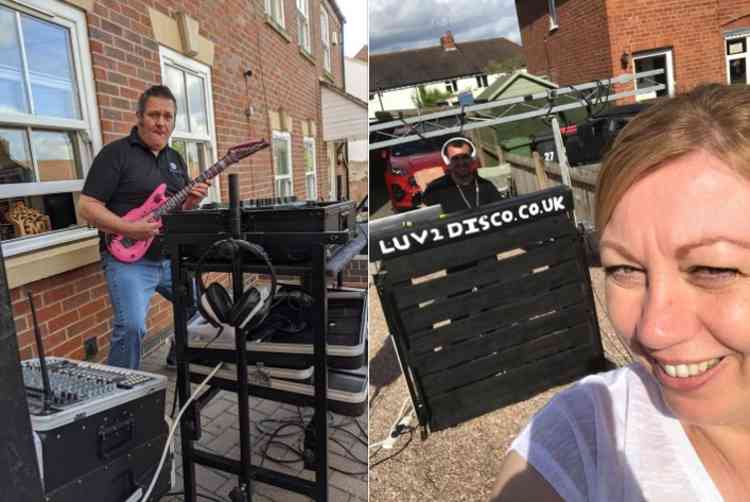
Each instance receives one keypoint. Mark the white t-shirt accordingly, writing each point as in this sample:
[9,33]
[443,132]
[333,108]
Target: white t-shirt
[611,438]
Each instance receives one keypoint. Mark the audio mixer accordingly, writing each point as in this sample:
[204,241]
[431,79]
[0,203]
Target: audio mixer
[98,430]
[80,388]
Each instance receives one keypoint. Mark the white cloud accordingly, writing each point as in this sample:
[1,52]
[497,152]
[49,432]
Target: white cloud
[399,24]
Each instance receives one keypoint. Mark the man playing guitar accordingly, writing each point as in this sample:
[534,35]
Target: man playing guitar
[122,177]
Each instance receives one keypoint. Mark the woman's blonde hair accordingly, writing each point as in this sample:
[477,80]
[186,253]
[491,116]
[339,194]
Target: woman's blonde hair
[714,118]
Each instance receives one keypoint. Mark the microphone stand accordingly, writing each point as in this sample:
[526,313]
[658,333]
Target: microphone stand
[242,492]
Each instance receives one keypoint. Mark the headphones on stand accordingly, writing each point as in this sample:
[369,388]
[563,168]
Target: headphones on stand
[215,302]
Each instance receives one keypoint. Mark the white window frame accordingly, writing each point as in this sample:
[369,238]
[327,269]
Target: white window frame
[325,38]
[269,12]
[670,71]
[88,137]
[742,55]
[288,138]
[169,57]
[554,21]
[303,16]
[310,142]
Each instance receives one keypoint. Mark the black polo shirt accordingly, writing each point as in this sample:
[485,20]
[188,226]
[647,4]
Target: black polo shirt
[444,191]
[126,172]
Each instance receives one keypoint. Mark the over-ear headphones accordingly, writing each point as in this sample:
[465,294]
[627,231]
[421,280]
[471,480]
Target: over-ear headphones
[443,150]
[216,304]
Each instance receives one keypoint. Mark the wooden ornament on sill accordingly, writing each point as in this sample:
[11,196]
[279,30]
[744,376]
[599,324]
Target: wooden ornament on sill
[27,220]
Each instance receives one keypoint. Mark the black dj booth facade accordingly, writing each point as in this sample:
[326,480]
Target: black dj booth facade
[488,307]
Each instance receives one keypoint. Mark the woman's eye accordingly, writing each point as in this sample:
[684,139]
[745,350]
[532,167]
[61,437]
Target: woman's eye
[625,274]
[713,274]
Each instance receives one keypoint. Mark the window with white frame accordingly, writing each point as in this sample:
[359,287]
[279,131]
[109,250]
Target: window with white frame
[275,10]
[451,86]
[193,136]
[303,24]
[482,81]
[282,164]
[737,59]
[49,124]
[553,20]
[325,37]
[654,60]
[311,178]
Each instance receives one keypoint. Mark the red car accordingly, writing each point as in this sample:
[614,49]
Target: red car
[402,162]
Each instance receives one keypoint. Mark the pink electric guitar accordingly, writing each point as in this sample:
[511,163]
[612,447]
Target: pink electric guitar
[158,204]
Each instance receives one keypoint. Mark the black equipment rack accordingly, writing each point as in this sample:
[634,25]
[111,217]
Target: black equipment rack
[315,273]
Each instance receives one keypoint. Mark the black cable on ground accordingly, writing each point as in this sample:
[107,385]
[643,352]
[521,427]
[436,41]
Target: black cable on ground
[373,465]
[299,454]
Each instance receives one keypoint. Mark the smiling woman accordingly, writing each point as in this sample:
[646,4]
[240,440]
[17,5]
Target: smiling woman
[672,204]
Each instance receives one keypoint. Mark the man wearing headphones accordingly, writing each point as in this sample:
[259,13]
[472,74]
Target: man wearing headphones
[122,176]
[461,187]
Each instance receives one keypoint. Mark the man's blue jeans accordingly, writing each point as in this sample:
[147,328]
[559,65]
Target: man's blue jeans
[131,287]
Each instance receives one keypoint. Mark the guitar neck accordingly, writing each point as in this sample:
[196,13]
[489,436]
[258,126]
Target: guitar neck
[177,199]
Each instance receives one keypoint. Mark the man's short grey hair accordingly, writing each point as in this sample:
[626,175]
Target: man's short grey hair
[155,91]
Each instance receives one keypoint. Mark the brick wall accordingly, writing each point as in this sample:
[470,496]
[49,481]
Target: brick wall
[71,308]
[734,14]
[578,51]
[691,29]
[355,275]
[593,35]
[125,56]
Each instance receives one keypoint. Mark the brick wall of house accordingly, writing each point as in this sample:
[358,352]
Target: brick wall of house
[71,308]
[691,29]
[578,51]
[593,35]
[734,14]
[356,274]
[74,306]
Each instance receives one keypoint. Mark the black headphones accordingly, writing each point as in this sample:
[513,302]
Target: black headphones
[215,303]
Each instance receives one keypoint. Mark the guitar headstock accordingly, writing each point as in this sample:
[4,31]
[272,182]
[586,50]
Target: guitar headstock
[239,152]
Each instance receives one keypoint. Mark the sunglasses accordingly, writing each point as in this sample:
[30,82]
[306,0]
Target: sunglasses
[462,157]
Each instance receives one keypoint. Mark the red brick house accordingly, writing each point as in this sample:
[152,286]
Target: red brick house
[576,41]
[70,74]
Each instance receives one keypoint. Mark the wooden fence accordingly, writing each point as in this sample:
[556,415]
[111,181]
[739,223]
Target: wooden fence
[533,174]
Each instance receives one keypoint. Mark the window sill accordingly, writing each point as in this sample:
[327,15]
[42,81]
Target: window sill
[307,55]
[278,28]
[51,261]
[38,243]
[329,76]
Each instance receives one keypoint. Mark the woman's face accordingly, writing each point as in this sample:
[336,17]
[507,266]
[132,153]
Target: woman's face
[676,253]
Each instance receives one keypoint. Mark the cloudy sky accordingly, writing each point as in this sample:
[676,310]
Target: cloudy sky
[402,24]
[355,29]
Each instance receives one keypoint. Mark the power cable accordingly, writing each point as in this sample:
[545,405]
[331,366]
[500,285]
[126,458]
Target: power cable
[173,429]
[406,445]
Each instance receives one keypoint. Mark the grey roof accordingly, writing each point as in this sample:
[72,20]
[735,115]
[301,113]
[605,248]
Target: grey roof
[432,64]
